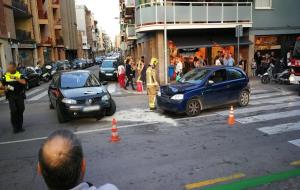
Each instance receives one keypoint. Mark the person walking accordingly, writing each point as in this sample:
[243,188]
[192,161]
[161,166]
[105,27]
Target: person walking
[178,69]
[140,68]
[129,74]
[13,83]
[152,84]
[121,75]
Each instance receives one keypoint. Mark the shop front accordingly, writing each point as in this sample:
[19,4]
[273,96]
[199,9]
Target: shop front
[26,54]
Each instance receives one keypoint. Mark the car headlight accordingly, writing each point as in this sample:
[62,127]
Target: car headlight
[69,101]
[102,71]
[105,97]
[177,97]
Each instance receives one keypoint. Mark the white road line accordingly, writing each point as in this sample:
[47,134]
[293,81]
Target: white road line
[253,91]
[269,95]
[112,88]
[33,92]
[274,100]
[261,108]
[102,129]
[39,96]
[268,117]
[295,142]
[277,129]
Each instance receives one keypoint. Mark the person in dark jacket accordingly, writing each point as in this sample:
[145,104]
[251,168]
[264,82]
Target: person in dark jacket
[129,74]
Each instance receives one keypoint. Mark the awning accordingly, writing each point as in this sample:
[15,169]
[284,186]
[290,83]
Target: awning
[187,42]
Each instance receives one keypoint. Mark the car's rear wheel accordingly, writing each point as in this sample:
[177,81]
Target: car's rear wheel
[244,98]
[112,110]
[193,107]
[62,118]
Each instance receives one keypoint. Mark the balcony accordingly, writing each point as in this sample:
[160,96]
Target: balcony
[129,3]
[193,15]
[24,36]
[46,41]
[20,9]
[57,24]
[59,41]
[130,31]
[55,4]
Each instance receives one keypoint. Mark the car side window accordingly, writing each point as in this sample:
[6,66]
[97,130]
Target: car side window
[219,76]
[234,74]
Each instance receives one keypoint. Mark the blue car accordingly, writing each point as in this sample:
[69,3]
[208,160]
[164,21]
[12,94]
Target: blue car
[205,88]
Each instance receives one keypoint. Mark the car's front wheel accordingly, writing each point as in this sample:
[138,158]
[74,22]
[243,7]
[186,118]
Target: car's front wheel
[193,107]
[244,98]
[112,110]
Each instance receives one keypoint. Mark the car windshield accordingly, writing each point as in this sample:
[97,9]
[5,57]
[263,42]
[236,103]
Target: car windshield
[108,64]
[78,80]
[194,76]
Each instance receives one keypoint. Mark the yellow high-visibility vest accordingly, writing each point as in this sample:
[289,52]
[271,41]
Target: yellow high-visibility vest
[9,77]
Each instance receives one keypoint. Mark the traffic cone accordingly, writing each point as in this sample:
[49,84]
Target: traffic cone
[114,132]
[231,119]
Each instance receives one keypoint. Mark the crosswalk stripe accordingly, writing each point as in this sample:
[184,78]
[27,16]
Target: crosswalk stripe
[112,88]
[261,108]
[287,127]
[268,117]
[295,142]
[33,91]
[254,91]
[269,95]
[276,100]
[39,96]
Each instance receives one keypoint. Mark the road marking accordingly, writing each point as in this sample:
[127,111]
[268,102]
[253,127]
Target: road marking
[100,130]
[295,142]
[33,92]
[256,181]
[254,91]
[112,87]
[295,163]
[39,96]
[274,100]
[287,127]
[214,181]
[268,117]
[269,95]
[261,108]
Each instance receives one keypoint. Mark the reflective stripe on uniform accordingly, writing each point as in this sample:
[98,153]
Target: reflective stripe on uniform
[8,76]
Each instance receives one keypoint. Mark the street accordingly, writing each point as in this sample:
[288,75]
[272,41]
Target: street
[159,151]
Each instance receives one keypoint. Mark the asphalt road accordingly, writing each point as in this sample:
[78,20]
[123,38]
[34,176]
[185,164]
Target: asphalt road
[159,151]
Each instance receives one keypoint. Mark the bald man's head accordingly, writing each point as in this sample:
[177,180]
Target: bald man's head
[61,160]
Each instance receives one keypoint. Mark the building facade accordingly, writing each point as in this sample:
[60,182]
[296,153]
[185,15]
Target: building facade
[69,27]
[82,27]
[206,29]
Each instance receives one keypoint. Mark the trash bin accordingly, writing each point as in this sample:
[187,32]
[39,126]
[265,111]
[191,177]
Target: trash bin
[171,70]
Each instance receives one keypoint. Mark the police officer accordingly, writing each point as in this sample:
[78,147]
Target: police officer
[14,85]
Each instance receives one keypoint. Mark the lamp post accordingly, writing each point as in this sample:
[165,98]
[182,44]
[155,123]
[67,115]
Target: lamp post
[165,42]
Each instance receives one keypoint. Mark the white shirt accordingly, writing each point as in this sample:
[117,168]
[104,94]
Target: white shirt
[218,62]
[178,67]
[121,69]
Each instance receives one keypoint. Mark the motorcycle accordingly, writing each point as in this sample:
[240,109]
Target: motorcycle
[270,75]
[44,72]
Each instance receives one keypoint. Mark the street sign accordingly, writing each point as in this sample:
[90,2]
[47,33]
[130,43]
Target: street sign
[239,31]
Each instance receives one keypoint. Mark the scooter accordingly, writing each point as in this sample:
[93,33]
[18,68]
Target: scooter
[46,76]
[268,76]
[281,78]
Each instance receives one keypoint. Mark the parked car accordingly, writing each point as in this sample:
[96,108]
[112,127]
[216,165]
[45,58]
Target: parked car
[108,70]
[79,94]
[205,88]
[63,65]
[99,60]
[78,64]
[31,76]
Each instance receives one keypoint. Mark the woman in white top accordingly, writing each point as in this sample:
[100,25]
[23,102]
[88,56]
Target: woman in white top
[218,62]
[121,75]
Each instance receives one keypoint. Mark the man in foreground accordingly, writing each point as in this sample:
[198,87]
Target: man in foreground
[13,84]
[62,164]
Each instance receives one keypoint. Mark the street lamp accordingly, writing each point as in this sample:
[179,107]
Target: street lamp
[165,41]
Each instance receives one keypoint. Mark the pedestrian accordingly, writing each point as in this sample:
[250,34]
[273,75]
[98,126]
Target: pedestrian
[13,83]
[178,69]
[140,68]
[258,60]
[218,62]
[253,67]
[152,84]
[121,75]
[129,74]
[62,165]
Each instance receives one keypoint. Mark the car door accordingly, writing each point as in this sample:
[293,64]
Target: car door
[236,83]
[216,93]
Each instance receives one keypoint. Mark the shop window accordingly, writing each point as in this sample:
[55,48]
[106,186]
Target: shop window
[263,4]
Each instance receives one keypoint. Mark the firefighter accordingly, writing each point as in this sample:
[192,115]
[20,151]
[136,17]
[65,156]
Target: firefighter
[14,85]
[152,84]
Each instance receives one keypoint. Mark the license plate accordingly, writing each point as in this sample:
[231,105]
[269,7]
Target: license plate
[109,74]
[91,108]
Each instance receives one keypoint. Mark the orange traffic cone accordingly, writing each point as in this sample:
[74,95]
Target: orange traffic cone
[114,132]
[231,119]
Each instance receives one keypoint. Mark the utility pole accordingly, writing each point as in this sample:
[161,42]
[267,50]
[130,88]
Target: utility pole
[165,42]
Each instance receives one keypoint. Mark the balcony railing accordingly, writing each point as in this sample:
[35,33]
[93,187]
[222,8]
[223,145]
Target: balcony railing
[20,8]
[129,3]
[130,31]
[59,41]
[23,36]
[194,14]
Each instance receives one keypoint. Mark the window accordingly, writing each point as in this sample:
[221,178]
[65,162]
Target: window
[234,74]
[263,4]
[219,76]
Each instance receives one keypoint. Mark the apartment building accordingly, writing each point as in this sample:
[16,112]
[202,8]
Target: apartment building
[69,28]
[204,28]
[82,27]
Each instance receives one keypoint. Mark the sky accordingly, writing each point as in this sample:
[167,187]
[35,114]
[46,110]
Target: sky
[105,12]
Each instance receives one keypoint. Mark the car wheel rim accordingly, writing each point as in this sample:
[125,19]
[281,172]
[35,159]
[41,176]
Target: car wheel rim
[244,98]
[194,107]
